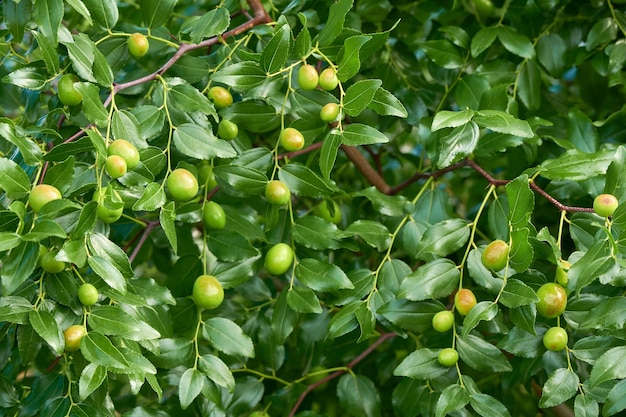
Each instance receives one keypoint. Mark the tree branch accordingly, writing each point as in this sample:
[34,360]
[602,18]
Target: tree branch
[366,169]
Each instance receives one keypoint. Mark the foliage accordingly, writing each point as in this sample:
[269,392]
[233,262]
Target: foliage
[460,122]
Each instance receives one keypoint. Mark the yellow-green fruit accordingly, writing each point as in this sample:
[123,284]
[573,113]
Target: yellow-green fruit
[227,130]
[277,193]
[278,259]
[138,45]
[561,276]
[448,357]
[495,255]
[50,264]
[329,112]
[324,211]
[115,166]
[182,185]
[105,212]
[41,195]
[443,321]
[220,96]
[126,150]
[307,77]
[552,300]
[328,79]
[605,205]
[464,301]
[291,139]
[88,294]
[208,292]
[555,339]
[73,335]
[213,216]
[68,94]
[206,175]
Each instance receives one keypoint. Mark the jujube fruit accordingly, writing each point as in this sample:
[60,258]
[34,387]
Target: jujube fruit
[552,300]
[291,139]
[495,255]
[277,193]
[464,301]
[443,321]
[73,335]
[213,216]
[41,195]
[126,150]
[108,211]
[561,276]
[88,294]
[448,357]
[278,259]
[307,77]
[328,79]
[138,45]
[324,211]
[206,175]
[227,130]
[115,166]
[259,414]
[68,94]
[182,185]
[208,292]
[329,112]
[220,96]
[555,339]
[50,264]
[605,205]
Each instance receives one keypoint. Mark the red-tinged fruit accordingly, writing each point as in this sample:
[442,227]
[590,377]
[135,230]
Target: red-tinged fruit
[73,335]
[443,321]
[41,195]
[496,255]
[555,339]
[208,292]
[605,205]
[464,301]
[552,300]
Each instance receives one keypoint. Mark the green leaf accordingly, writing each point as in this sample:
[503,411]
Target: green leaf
[334,24]
[13,179]
[100,245]
[217,371]
[585,406]
[560,387]
[213,23]
[9,240]
[49,15]
[521,201]
[611,365]
[108,272]
[529,85]
[328,153]
[483,311]
[481,355]
[470,90]
[443,53]
[502,122]
[190,386]
[156,13]
[610,314]
[453,397]
[458,144]
[92,106]
[227,337]
[90,380]
[104,12]
[31,78]
[303,300]
[596,262]
[447,118]
[112,320]
[321,276]
[359,95]
[357,134]
[616,400]
[386,104]
[521,253]
[358,394]
[190,99]
[284,319]
[374,233]
[198,142]
[483,40]
[16,15]
[302,181]
[28,148]
[349,61]
[603,31]
[241,76]
[153,198]
[255,116]
[98,349]
[434,279]
[229,246]
[277,50]
[421,364]
[577,166]
[516,42]
[166,219]
[44,229]
[551,51]
[487,406]
[247,180]
[442,239]
[47,328]
[516,294]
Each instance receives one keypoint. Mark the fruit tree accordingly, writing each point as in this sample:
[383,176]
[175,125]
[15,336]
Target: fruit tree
[312,208]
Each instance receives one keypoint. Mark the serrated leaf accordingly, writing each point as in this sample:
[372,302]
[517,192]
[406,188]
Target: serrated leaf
[98,349]
[421,364]
[502,122]
[374,233]
[349,61]
[611,365]
[359,394]
[357,134]
[190,386]
[303,181]
[458,144]
[560,387]
[434,279]
[447,118]
[359,95]
[277,50]
[303,300]
[334,24]
[241,76]
[227,337]
[386,104]
[108,272]
[91,378]
[453,397]
[112,320]
[47,328]
[483,311]
[516,42]
[442,239]
[481,355]
[321,276]
[217,371]
[198,142]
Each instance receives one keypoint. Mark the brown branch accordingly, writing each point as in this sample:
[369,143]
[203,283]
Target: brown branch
[383,337]
[366,169]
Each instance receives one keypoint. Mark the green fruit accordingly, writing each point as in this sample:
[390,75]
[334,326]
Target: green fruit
[495,255]
[328,79]
[41,195]
[464,301]
[277,193]
[50,264]
[329,112]
[227,130]
[443,321]
[110,206]
[126,150]
[552,300]
[484,8]
[259,414]
[307,77]
[206,175]
[605,204]
[220,96]
[278,259]
[138,45]
[73,335]
[448,357]
[213,216]
[291,139]
[208,292]
[115,166]
[68,94]
[324,211]
[88,294]
[182,185]
[561,276]
[555,339]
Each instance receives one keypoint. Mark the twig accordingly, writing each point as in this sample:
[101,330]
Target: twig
[366,169]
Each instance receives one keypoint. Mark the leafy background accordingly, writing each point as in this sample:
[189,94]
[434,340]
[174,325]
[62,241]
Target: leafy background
[462,122]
